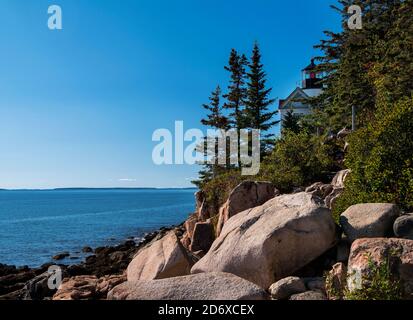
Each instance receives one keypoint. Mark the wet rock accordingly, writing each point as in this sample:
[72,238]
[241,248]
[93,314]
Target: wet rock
[87,250]
[61,256]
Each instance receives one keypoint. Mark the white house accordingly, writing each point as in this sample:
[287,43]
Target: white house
[311,87]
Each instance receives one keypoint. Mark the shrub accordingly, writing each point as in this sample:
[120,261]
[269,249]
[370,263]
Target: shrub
[218,189]
[378,284]
[298,159]
[381,160]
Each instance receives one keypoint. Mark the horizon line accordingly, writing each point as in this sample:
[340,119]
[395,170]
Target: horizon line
[97,188]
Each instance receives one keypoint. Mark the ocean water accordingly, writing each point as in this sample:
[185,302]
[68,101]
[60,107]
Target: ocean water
[35,225]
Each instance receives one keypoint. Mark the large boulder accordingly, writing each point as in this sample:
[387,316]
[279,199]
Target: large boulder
[271,242]
[369,220]
[397,254]
[164,258]
[207,286]
[403,227]
[247,195]
[203,237]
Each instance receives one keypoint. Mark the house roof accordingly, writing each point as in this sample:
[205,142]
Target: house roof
[298,93]
[313,92]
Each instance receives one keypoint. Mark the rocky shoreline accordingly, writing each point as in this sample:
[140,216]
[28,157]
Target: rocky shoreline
[259,245]
[110,262]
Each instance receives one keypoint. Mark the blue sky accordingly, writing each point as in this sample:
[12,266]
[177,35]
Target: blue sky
[78,106]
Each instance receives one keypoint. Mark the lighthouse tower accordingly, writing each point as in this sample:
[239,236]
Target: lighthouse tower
[311,87]
[311,77]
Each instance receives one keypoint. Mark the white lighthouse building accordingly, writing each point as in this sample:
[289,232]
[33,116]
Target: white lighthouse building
[311,87]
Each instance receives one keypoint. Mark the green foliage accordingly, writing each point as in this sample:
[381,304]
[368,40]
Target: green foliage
[297,160]
[247,103]
[236,89]
[349,56]
[214,221]
[335,288]
[257,114]
[381,160]
[379,284]
[215,117]
[218,189]
[291,122]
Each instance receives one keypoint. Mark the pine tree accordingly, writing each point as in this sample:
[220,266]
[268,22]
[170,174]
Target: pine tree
[236,94]
[257,114]
[349,58]
[236,90]
[397,53]
[215,119]
[291,122]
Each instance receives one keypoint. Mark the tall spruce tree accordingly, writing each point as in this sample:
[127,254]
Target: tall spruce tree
[257,114]
[236,94]
[236,90]
[349,58]
[215,119]
[397,52]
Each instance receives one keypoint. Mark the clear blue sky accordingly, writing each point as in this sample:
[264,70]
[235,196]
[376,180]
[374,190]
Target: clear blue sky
[78,107]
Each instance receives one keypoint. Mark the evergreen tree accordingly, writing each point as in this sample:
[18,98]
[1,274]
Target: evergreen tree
[290,122]
[236,90]
[215,119]
[257,114]
[397,53]
[349,58]
[236,94]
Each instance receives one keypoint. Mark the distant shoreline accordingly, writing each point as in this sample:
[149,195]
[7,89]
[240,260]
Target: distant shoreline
[99,189]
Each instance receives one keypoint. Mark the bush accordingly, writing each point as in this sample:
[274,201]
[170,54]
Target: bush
[379,284]
[218,189]
[381,160]
[298,160]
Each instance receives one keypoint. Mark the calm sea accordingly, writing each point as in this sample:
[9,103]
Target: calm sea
[35,225]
